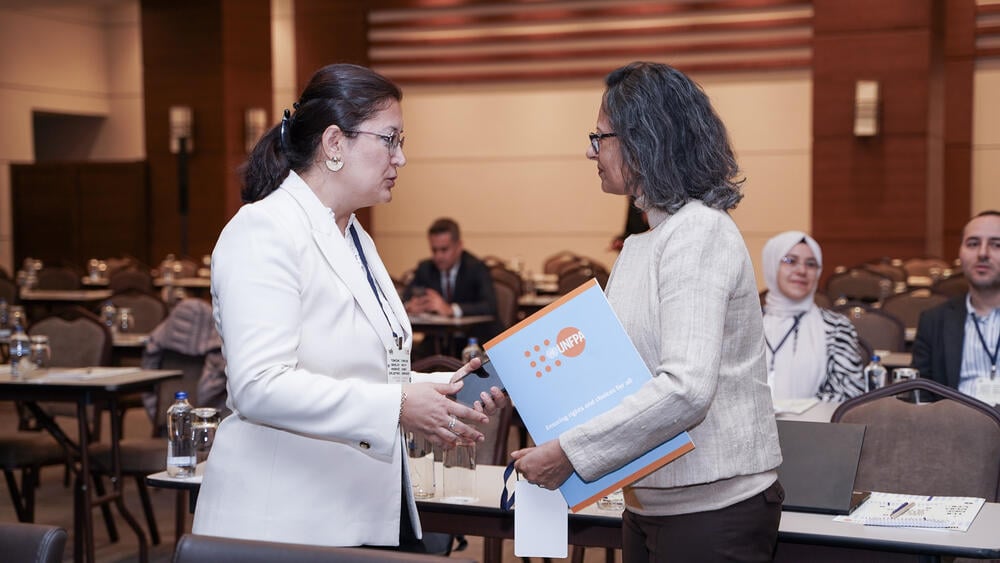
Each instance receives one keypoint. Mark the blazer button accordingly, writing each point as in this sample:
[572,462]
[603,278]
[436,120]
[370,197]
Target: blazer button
[365,445]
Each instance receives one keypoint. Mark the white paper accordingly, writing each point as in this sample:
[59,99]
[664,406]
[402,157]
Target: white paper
[916,511]
[541,522]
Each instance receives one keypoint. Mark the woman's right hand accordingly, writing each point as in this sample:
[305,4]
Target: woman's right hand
[427,410]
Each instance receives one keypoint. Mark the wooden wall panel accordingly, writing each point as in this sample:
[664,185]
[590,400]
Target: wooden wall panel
[327,32]
[67,213]
[885,195]
[213,56]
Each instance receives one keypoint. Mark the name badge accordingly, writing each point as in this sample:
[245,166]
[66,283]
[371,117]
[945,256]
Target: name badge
[398,360]
[987,390]
[541,522]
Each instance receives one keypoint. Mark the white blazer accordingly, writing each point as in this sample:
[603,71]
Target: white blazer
[312,452]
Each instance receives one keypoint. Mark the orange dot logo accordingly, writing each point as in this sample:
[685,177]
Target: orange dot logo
[571,342]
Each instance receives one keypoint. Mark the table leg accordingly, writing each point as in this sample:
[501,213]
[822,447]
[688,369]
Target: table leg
[117,483]
[84,525]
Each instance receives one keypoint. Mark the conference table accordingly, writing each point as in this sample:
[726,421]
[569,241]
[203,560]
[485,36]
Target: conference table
[443,329]
[85,387]
[597,527]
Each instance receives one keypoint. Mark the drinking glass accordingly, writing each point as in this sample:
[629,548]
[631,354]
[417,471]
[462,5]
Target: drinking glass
[125,320]
[421,453]
[204,423]
[41,353]
[460,474]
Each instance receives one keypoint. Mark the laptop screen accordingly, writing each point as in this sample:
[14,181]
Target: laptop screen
[820,464]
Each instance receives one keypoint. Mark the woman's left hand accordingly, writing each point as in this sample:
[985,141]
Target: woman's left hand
[546,466]
[488,403]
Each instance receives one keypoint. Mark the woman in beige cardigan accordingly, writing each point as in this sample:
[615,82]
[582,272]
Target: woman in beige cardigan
[685,293]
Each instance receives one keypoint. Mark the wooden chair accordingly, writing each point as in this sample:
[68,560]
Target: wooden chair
[881,330]
[27,452]
[949,447]
[933,268]
[508,277]
[208,549]
[37,543]
[907,306]
[131,279]
[506,304]
[58,277]
[895,273]
[552,264]
[148,309]
[953,286]
[859,283]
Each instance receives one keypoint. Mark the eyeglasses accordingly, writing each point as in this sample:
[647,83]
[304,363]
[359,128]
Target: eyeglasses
[393,140]
[595,140]
[793,261]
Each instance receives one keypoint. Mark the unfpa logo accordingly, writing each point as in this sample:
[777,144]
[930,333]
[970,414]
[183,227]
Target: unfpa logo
[545,357]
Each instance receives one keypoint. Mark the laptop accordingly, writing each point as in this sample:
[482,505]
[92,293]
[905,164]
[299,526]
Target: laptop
[820,464]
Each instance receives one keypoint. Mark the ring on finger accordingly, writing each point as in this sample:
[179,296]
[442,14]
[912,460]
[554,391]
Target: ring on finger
[451,423]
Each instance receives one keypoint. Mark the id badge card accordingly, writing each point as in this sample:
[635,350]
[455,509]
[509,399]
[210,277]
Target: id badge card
[987,390]
[541,522]
[398,360]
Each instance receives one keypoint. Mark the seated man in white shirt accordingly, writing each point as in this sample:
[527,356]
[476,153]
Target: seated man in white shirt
[958,342]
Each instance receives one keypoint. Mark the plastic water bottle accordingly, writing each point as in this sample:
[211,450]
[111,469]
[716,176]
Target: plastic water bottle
[875,374]
[20,353]
[472,350]
[181,454]
[4,329]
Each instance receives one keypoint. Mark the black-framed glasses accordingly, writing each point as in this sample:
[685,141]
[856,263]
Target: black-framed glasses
[393,140]
[595,140]
[793,261]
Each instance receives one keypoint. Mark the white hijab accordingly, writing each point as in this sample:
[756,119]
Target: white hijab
[799,365]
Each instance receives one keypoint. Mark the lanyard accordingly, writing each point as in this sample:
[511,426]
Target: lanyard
[774,349]
[371,282]
[507,498]
[982,340]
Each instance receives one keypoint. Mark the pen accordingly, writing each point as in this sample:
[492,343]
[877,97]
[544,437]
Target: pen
[901,509]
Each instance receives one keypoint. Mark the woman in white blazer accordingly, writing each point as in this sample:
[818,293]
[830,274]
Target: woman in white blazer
[311,325]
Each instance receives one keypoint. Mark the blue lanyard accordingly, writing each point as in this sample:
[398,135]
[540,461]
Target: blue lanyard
[982,340]
[371,282]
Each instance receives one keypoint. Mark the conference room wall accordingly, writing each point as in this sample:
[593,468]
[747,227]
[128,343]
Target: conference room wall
[986,137]
[507,162]
[77,61]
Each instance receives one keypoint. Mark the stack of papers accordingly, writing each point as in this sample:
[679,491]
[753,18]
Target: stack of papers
[916,511]
[794,406]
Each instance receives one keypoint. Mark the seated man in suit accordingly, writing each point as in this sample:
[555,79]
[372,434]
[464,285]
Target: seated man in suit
[453,282]
[957,342]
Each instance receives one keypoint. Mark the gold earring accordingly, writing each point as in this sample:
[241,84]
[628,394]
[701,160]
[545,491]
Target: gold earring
[334,164]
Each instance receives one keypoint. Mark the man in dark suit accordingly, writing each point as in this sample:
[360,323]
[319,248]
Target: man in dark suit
[957,342]
[453,282]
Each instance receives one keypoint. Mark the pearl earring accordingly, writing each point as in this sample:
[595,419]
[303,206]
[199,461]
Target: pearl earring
[334,164]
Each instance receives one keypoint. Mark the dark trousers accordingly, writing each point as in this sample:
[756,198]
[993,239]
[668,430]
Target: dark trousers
[746,531]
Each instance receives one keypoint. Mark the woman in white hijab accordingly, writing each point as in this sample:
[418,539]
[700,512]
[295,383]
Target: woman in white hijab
[811,352]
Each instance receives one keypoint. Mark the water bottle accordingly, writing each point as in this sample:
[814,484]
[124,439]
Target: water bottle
[472,350]
[4,329]
[875,374]
[181,454]
[20,353]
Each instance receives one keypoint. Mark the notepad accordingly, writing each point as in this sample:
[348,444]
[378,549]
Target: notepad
[916,511]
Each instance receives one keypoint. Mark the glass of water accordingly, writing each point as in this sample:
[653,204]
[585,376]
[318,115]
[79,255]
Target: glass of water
[460,474]
[204,423]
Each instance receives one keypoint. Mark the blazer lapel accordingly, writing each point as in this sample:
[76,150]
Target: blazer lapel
[339,256]
[954,339]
